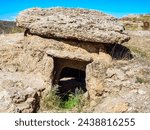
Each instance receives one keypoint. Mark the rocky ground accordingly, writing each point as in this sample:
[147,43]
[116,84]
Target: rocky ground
[19,92]
[127,82]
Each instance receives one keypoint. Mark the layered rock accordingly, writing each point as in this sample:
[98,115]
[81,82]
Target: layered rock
[74,24]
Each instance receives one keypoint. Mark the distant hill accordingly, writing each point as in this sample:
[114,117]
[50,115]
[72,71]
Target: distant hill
[134,18]
[136,22]
[9,27]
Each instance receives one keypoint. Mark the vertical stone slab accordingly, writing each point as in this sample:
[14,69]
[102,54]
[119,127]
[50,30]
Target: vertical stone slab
[95,74]
[48,70]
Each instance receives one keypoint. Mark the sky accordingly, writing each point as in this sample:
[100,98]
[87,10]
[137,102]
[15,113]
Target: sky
[9,9]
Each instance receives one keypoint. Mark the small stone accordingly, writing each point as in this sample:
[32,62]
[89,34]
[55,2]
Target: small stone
[93,103]
[121,107]
[142,92]
[117,72]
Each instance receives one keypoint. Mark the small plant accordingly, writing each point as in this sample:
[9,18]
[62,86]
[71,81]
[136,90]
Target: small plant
[74,100]
[52,100]
[71,103]
[141,80]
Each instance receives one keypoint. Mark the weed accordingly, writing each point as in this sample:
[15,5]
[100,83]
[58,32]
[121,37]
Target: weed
[141,80]
[71,102]
[74,101]
[52,100]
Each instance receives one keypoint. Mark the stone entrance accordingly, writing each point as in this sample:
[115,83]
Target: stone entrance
[69,75]
[71,80]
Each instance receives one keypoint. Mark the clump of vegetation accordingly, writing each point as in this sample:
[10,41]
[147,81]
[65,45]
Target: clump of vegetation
[141,80]
[52,100]
[74,101]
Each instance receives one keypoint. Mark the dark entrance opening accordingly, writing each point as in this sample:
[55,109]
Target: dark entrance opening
[70,81]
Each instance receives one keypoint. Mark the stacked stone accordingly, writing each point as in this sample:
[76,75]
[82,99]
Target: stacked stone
[78,35]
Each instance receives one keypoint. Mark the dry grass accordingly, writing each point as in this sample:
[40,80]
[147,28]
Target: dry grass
[140,45]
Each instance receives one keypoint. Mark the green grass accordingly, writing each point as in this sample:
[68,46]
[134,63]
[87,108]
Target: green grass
[51,100]
[139,80]
[74,101]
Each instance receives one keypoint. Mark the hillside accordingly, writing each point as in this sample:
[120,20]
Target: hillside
[141,17]
[136,22]
[9,27]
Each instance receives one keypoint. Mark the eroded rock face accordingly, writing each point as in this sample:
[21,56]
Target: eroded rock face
[20,92]
[126,88]
[24,75]
[74,24]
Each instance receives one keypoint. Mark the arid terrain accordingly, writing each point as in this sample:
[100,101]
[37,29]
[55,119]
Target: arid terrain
[128,81]
[26,71]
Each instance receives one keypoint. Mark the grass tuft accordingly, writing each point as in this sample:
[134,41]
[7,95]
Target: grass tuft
[74,101]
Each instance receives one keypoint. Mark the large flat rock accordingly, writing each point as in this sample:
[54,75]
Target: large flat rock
[74,24]
[70,55]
